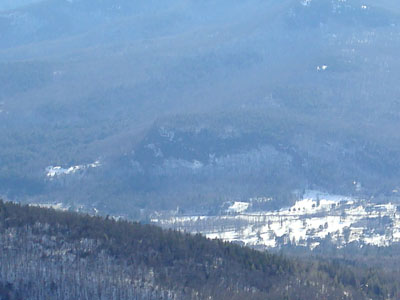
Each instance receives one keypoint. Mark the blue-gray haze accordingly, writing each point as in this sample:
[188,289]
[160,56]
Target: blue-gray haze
[193,103]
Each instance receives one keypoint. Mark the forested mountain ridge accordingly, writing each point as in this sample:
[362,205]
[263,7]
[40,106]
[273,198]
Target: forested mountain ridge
[64,255]
[90,81]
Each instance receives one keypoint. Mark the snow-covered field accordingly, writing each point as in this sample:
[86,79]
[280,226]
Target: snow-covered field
[312,219]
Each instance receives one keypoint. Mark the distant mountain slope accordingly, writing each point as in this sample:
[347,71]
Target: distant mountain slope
[235,156]
[64,255]
[86,81]
[13,4]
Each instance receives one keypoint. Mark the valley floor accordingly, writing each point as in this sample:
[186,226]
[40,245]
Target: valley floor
[315,218]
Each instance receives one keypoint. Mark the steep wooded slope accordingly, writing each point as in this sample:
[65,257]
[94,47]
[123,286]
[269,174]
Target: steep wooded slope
[63,255]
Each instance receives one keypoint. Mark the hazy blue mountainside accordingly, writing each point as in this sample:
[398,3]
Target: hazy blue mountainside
[131,106]
[13,4]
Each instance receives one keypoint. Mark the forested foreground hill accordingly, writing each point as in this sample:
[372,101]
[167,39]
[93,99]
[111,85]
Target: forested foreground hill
[48,254]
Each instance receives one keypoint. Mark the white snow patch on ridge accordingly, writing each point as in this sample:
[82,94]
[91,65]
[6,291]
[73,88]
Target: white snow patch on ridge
[56,206]
[55,171]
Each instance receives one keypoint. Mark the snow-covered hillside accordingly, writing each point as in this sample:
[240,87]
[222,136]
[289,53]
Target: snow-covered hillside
[311,220]
[56,171]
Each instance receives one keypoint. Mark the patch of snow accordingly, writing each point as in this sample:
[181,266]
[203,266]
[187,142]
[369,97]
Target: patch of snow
[238,207]
[306,2]
[322,68]
[55,171]
[314,245]
[196,165]
[376,240]
[56,206]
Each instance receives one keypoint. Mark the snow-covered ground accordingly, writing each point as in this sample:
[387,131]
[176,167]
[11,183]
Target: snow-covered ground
[313,218]
[238,207]
[55,171]
[56,206]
